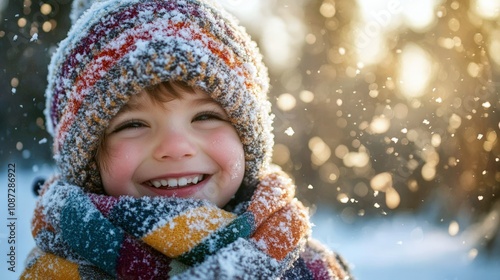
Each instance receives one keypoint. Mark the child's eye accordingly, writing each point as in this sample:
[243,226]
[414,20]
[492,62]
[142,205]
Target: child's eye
[132,124]
[209,116]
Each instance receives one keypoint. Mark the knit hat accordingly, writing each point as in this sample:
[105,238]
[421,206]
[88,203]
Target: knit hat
[116,48]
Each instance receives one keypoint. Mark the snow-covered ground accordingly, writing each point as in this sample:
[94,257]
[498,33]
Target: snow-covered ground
[404,247]
[399,247]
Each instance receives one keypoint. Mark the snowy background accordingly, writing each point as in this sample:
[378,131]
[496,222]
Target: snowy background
[386,117]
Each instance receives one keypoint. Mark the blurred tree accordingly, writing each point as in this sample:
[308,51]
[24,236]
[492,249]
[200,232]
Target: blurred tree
[29,30]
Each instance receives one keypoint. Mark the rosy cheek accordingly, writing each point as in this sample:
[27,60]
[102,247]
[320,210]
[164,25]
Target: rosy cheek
[224,140]
[227,148]
[120,161]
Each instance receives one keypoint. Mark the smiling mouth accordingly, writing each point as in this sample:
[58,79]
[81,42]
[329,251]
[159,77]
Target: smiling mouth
[173,183]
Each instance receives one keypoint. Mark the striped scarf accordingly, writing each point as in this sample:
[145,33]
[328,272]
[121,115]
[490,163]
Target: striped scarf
[88,236]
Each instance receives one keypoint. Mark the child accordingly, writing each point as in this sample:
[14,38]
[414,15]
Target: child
[162,137]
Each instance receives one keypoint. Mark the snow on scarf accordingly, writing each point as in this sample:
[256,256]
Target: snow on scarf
[88,236]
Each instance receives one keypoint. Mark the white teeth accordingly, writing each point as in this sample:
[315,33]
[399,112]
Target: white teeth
[182,182]
[156,184]
[174,182]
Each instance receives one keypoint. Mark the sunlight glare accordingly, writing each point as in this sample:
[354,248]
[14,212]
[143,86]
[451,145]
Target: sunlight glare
[487,9]
[274,33]
[380,17]
[420,15]
[377,17]
[415,71]
[370,50]
[494,45]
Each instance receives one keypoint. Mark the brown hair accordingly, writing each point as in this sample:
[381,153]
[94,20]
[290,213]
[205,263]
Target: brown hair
[163,92]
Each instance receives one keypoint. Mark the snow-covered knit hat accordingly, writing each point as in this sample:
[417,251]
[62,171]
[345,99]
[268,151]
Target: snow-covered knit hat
[116,48]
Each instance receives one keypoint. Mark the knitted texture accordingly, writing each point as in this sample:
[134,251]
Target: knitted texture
[117,48]
[162,237]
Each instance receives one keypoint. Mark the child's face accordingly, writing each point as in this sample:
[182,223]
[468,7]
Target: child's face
[184,147]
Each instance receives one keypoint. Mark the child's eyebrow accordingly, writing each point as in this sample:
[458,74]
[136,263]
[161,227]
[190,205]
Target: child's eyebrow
[132,106]
[204,100]
[138,106]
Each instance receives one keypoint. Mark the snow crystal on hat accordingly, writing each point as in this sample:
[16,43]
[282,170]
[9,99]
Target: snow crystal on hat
[78,7]
[118,47]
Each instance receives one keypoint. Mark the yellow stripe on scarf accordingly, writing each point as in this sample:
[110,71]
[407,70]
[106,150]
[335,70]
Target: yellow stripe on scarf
[185,231]
[50,266]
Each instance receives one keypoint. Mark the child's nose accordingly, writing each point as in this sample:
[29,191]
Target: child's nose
[174,144]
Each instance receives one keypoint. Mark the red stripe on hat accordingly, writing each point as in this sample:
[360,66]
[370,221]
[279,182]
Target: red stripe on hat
[92,73]
[113,52]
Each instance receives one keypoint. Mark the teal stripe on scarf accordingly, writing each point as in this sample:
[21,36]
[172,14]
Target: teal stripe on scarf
[89,233]
[140,222]
[243,226]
